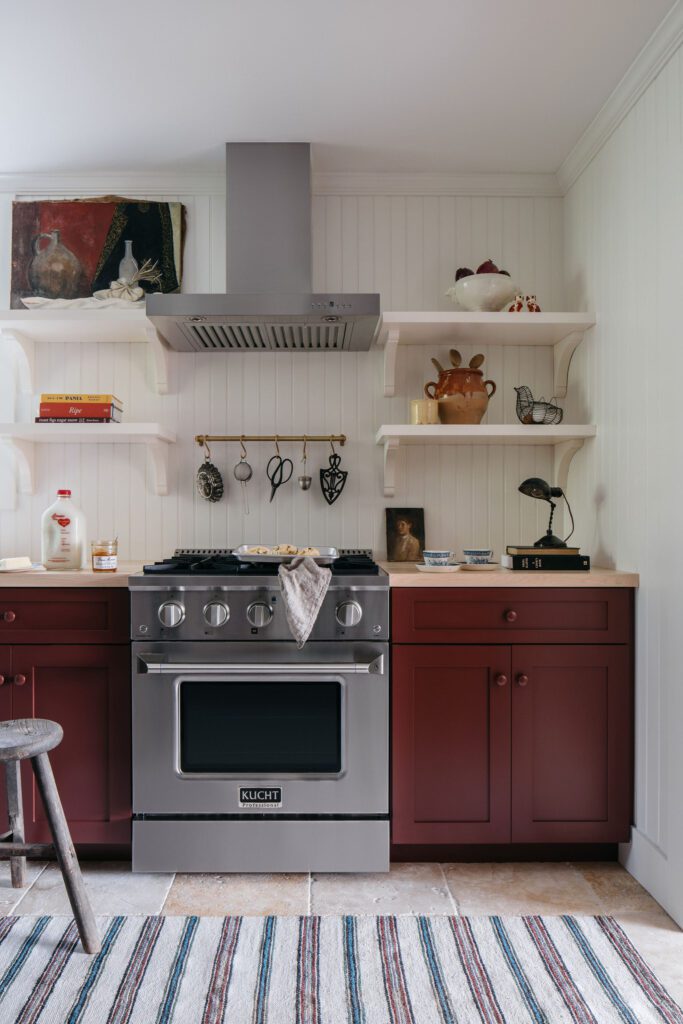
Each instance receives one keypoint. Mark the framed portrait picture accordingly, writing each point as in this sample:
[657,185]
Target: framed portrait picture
[405,534]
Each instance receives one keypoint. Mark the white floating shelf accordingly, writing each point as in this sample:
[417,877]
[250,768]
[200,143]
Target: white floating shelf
[23,436]
[563,331]
[21,328]
[565,439]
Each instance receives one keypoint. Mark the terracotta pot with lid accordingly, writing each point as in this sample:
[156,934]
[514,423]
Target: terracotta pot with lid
[462,394]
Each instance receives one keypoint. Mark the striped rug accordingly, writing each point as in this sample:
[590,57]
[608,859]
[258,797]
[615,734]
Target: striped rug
[328,970]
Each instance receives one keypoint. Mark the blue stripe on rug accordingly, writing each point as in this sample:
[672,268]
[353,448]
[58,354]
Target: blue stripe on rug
[352,971]
[23,954]
[81,1000]
[527,993]
[599,971]
[177,971]
[265,965]
[434,966]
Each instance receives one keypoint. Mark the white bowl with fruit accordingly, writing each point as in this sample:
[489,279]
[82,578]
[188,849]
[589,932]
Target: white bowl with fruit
[487,290]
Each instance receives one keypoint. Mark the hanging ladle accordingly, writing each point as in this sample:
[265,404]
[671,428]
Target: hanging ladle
[305,480]
[243,472]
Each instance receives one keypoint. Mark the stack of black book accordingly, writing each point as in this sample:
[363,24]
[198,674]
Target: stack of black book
[545,559]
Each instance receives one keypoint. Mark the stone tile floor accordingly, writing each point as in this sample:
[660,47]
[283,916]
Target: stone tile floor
[474,889]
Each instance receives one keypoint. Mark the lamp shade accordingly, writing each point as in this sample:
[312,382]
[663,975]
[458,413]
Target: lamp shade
[534,487]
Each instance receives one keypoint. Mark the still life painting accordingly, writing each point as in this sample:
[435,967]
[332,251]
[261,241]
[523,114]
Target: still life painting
[108,251]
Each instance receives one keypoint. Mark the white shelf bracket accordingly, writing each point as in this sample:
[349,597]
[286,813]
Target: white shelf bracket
[24,461]
[390,458]
[23,353]
[563,455]
[562,357]
[390,342]
[159,356]
[157,453]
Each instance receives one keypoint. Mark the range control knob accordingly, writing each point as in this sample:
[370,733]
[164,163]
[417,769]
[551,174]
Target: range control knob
[171,614]
[216,613]
[348,613]
[259,614]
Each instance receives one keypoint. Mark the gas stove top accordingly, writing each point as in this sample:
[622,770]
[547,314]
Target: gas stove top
[222,562]
[205,594]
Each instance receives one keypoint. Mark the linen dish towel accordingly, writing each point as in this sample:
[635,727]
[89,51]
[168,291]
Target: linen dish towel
[304,584]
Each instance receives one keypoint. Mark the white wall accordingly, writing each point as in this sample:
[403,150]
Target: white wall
[405,246]
[624,258]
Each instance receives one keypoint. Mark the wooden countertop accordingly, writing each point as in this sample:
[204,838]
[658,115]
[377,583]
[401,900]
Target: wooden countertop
[70,578]
[404,574]
[401,574]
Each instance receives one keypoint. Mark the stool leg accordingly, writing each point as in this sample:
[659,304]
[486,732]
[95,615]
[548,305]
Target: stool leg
[16,821]
[68,862]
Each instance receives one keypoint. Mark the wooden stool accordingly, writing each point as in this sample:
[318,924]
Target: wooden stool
[32,738]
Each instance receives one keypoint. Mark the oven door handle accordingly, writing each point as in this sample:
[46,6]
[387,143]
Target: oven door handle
[374,667]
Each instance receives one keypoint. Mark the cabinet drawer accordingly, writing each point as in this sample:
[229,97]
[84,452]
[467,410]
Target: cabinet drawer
[511,615]
[54,616]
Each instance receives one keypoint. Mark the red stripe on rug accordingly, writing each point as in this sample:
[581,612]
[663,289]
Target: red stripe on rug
[475,971]
[217,995]
[557,969]
[129,985]
[42,990]
[395,986]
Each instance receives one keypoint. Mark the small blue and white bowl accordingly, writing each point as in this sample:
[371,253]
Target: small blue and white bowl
[437,557]
[477,556]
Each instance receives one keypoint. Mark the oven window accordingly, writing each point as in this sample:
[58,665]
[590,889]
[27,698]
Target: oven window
[245,728]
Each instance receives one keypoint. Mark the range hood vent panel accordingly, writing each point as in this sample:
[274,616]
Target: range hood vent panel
[268,306]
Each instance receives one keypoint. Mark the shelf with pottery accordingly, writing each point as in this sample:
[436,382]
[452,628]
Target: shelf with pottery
[565,439]
[563,331]
[20,329]
[22,437]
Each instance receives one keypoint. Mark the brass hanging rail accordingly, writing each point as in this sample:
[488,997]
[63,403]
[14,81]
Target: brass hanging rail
[201,439]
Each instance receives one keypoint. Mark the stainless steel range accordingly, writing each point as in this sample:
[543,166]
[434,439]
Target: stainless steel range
[248,754]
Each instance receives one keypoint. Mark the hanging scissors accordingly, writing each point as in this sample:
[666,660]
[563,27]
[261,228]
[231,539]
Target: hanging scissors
[281,471]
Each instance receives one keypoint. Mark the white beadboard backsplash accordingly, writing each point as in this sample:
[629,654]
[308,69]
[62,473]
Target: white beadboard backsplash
[405,247]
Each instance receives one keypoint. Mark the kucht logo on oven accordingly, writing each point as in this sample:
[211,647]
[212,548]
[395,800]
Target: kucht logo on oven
[260,798]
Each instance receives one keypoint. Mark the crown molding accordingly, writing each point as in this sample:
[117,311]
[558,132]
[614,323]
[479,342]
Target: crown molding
[342,183]
[353,183]
[656,53]
[159,183]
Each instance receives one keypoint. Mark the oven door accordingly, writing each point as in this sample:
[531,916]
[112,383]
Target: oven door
[230,729]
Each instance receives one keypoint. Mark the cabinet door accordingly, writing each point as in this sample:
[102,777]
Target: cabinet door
[87,690]
[451,744]
[5,714]
[571,744]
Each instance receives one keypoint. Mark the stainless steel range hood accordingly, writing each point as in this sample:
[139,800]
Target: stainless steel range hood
[269,305]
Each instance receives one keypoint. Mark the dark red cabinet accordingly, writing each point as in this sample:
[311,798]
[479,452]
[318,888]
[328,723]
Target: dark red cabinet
[451,744]
[528,741]
[84,684]
[571,743]
[87,690]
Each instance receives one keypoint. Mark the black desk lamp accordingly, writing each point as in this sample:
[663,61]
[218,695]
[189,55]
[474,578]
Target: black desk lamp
[535,488]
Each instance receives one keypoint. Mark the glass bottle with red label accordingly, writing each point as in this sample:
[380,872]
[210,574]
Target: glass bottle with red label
[63,534]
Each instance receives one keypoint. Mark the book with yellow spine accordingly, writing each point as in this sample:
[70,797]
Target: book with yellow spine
[108,399]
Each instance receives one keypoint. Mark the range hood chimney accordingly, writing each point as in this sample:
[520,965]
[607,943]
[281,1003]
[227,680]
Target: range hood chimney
[269,305]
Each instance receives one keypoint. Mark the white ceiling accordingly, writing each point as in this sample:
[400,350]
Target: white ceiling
[377,85]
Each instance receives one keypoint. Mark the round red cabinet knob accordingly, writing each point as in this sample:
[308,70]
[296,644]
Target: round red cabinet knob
[19,680]
[511,616]
[2,680]
[8,616]
[501,680]
[522,680]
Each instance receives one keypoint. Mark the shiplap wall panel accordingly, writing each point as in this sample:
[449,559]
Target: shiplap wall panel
[624,253]
[405,247]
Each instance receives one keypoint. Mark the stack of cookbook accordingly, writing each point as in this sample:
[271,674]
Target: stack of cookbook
[80,408]
[544,559]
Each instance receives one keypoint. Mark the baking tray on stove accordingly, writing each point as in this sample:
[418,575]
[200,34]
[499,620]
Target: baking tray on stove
[326,556]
